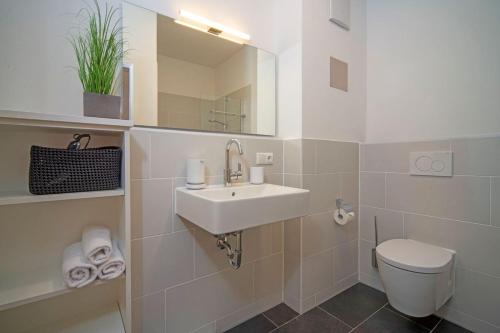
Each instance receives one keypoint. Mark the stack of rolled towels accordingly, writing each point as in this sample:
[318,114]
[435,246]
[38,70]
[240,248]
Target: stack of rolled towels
[96,256]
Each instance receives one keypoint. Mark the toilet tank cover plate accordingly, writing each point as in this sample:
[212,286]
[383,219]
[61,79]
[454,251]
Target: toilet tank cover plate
[415,256]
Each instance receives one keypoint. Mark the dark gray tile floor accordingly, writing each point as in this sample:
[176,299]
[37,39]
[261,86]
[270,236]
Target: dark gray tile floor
[359,309]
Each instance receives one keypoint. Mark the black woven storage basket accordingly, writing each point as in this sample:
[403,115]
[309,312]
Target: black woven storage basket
[55,170]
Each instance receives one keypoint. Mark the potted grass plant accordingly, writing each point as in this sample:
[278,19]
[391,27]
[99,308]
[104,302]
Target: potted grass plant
[98,48]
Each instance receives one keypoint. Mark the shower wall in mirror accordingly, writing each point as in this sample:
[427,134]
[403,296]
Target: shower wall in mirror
[189,79]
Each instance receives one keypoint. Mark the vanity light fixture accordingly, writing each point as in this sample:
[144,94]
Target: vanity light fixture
[194,21]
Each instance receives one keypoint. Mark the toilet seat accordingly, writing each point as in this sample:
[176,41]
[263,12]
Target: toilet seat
[415,256]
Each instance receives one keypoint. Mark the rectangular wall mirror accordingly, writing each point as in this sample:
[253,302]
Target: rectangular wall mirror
[190,79]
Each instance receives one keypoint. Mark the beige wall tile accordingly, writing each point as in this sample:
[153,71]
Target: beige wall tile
[495,202]
[274,178]
[292,262]
[256,243]
[372,189]
[293,180]
[477,295]
[208,328]
[291,279]
[269,276]
[151,202]
[148,313]
[390,224]
[307,304]
[292,159]
[292,236]
[459,197]
[478,156]
[253,146]
[394,157]
[349,187]
[365,258]
[139,151]
[204,300]
[162,261]
[277,237]
[335,156]
[317,273]
[325,189]
[309,156]
[320,232]
[477,246]
[345,260]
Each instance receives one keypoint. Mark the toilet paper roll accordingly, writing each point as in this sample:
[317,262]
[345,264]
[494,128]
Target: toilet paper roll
[342,217]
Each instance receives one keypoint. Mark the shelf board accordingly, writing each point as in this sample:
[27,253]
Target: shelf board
[22,118]
[36,286]
[104,320]
[22,197]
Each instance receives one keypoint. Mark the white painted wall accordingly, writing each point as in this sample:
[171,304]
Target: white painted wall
[328,113]
[141,39]
[287,40]
[266,94]
[433,69]
[37,62]
[290,92]
[185,78]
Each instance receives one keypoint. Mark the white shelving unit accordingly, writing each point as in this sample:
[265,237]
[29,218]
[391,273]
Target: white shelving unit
[21,197]
[28,287]
[105,320]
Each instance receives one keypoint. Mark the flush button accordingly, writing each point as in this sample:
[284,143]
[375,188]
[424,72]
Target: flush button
[433,163]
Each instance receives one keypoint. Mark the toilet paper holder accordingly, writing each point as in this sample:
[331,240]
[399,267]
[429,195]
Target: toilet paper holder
[341,204]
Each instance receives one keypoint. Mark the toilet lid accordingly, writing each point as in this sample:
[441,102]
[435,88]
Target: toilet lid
[414,256]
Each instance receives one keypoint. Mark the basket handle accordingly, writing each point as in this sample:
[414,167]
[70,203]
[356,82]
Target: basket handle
[75,144]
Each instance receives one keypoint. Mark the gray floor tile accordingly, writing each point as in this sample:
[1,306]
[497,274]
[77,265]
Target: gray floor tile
[257,324]
[280,314]
[446,327]
[386,321]
[428,322]
[314,321]
[355,304]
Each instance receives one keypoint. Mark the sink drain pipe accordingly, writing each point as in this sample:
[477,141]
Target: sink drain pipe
[233,254]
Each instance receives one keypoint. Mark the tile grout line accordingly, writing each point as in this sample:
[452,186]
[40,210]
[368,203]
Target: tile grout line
[430,216]
[272,322]
[331,315]
[287,322]
[434,328]
[409,319]
[364,321]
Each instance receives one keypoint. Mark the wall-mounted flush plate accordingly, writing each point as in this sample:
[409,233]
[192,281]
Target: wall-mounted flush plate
[264,158]
[432,163]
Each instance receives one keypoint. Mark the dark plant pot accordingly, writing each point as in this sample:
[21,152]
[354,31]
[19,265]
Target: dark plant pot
[102,106]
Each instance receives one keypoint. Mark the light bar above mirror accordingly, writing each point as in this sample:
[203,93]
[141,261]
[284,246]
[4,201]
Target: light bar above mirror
[197,22]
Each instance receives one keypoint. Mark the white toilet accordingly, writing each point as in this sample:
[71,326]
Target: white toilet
[418,278]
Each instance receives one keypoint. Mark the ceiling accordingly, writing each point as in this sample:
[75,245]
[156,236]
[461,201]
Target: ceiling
[183,43]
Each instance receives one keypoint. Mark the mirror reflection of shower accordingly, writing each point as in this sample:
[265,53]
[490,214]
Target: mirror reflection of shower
[230,117]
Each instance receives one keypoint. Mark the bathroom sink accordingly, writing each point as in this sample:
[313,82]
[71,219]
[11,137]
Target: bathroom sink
[221,210]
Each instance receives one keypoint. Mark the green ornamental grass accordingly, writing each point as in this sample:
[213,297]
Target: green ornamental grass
[99,48]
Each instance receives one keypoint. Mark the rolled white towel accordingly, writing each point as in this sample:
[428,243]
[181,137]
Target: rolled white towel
[77,270]
[96,244]
[114,267]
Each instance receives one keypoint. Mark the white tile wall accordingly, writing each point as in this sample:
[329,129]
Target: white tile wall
[181,281]
[460,212]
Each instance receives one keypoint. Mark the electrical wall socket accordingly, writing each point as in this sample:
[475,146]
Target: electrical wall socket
[264,158]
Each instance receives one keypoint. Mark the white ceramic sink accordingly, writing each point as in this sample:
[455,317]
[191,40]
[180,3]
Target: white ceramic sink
[222,210]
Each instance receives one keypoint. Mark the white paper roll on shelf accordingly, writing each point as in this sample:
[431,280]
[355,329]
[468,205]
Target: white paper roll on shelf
[342,217]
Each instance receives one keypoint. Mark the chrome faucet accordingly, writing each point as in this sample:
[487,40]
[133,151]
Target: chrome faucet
[229,175]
